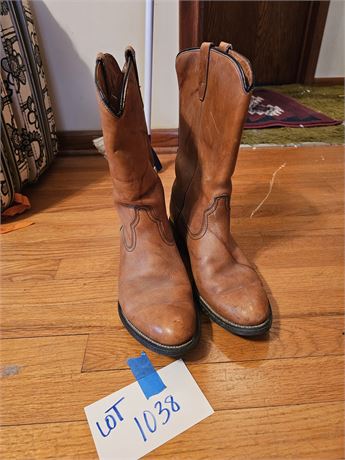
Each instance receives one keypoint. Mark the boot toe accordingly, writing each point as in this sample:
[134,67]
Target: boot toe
[244,307]
[168,325]
[249,307]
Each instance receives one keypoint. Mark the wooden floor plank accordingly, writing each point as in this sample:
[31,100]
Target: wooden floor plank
[75,291]
[93,315]
[58,318]
[288,338]
[33,269]
[304,431]
[60,355]
[313,431]
[226,385]
[61,248]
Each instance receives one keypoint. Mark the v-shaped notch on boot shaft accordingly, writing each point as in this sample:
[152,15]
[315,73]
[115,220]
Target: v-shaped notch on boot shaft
[111,81]
[126,141]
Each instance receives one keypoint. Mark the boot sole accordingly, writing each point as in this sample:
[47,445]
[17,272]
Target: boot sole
[174,351]
[237,329]
[244,331]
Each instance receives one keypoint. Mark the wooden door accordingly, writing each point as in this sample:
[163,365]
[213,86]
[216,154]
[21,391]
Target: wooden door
[282,39]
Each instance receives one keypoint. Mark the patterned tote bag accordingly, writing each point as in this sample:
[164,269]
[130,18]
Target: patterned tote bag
[28,138]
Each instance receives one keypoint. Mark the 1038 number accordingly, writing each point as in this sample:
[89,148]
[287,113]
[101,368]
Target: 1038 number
[150,420]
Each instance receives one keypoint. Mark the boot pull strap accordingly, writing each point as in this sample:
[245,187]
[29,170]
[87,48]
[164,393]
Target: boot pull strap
[205,50]
[225,47]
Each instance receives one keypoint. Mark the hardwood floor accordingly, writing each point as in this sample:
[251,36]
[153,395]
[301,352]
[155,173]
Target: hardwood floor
[63,346]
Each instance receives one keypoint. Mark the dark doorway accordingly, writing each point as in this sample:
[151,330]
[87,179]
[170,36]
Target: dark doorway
[282,39]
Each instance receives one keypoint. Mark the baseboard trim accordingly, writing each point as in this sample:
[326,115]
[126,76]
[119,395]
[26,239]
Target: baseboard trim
[328,81]
[163,140]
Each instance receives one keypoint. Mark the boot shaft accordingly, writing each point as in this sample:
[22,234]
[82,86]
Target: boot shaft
[215,87]
[124,128]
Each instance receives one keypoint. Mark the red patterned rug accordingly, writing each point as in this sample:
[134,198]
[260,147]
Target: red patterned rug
[268,109]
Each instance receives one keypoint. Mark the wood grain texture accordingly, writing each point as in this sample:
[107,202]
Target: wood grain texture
[281,39]
[226,385]
[63,345]
[313,431]
[288,338]
[44,356]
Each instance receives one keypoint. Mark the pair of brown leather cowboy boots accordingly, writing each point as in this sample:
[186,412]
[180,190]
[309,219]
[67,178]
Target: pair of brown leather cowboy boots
[157,297]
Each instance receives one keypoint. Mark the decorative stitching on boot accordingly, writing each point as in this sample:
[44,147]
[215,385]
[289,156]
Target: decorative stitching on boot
[152,216]
[131,245]
[208,212]
[133,236]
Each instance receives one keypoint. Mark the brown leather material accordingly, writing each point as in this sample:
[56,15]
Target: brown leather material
[225,47]
[209,137]
[154,290]
[243,61]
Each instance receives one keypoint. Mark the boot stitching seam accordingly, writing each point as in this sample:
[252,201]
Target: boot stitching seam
[134,223]
[208,211]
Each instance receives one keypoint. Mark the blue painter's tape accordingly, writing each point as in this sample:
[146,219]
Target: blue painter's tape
[146,375]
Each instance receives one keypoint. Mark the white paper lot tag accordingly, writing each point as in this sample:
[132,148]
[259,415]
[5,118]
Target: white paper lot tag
[127,425]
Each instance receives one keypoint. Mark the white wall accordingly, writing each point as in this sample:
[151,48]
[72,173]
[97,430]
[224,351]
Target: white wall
[72,32]
[331,61]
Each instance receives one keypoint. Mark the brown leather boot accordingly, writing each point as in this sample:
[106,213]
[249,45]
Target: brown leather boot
[215,87]
[155,297]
